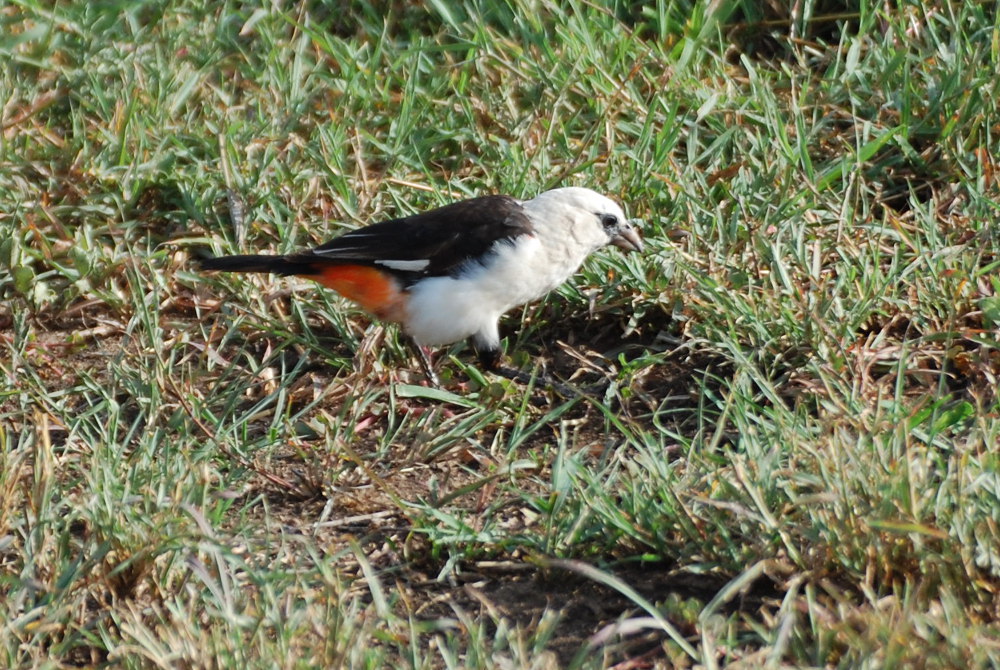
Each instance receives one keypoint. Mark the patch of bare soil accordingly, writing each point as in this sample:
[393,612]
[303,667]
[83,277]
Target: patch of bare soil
[510,589]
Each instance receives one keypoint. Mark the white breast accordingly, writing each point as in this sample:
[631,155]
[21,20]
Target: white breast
[442,310]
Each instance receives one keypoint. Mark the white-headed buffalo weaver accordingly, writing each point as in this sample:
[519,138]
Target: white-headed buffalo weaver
[452,272]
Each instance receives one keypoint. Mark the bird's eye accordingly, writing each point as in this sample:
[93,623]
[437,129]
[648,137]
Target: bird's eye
[609,220]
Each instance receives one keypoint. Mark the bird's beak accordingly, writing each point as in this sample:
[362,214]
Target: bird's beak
[627,238]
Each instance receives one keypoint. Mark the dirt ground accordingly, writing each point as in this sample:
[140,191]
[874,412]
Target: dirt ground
[336,503]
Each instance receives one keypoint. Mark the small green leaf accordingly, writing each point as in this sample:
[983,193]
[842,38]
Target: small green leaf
[954,415]
[430,393]
[24,276]
[81,260]
[991,311]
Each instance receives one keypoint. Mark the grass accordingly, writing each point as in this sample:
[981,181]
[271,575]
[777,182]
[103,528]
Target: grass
[792,459]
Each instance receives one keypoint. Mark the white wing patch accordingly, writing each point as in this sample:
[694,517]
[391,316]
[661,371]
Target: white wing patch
[406,266]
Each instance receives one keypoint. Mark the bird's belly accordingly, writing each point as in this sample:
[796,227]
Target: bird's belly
[443,310]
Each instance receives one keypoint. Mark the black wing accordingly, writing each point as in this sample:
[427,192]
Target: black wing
[432,243]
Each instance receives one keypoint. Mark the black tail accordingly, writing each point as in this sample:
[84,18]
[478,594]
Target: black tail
[282,265]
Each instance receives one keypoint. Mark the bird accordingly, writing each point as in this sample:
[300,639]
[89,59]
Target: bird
[450,273]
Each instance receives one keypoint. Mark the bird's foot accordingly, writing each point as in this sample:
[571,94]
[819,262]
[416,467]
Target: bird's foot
[490,359]
[539,379]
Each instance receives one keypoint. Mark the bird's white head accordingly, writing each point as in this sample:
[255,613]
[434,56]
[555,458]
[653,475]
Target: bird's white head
[589,218]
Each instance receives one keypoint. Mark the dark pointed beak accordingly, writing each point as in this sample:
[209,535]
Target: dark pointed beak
[627,238]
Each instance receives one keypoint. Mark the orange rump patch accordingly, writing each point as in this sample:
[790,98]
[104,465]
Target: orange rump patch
[376,291]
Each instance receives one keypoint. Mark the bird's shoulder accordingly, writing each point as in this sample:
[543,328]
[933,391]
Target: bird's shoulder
[433,243]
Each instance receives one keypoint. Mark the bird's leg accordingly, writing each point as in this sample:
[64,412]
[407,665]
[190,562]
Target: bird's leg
[425,362]
[489,358]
